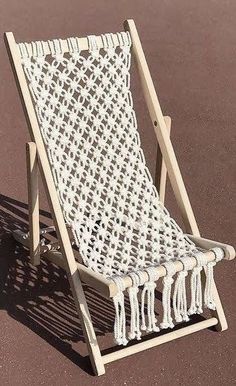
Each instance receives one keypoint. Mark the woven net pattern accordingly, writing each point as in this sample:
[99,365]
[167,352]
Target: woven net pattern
[87,120]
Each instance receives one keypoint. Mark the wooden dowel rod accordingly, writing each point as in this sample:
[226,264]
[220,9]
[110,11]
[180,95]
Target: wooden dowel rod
[94,279]
[161,271]
[48,229]
[158,340]
[83,44]
[107,286]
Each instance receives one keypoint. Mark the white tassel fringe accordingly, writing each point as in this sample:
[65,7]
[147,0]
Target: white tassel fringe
[208,293]
[196,292]
[134,308]
[196,285]
[148,292]
[149,321]
[166,296]
[120,318]
[180,298]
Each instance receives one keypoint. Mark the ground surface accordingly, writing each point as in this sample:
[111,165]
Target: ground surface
[190,46]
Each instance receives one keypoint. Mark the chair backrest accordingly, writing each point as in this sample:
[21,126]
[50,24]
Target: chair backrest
[85,112]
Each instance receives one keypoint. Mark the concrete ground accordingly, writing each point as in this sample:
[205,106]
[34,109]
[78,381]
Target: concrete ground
[190,47]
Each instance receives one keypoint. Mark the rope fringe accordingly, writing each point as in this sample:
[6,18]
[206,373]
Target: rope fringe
[134,307]
[180,298]
[181,312]
[166,296]
[148,292]
[196,285]
[210,283]
[208,293]
[120,318]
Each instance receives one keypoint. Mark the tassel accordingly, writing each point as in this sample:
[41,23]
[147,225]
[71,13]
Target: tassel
[134,308]
[196,292]
[149,292]
[180,298]
[120,319]
[196,285]
[208,296]
[166,296]
[208,293]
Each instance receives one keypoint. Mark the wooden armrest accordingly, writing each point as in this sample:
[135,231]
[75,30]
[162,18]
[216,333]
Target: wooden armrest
[209,244]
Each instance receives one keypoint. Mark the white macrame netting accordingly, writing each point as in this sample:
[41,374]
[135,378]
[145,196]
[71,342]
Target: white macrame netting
[85,111]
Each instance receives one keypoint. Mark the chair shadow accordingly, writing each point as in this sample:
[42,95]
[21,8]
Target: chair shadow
[40,297]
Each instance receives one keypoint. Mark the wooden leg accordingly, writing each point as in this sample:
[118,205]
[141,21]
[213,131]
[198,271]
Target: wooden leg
[87,326]
[33,199]
[74,279]
[160,181]
[161,170]
[219,312]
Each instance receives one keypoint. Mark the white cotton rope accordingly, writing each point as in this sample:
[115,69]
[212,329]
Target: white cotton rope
[168,280]
[196,285]
[210,283]
[134,308]
[120,318]
[88,124]
[73,45]
[149,293]
[179,296]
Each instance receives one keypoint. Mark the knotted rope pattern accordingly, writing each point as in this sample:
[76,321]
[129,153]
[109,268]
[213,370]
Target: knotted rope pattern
[85,111]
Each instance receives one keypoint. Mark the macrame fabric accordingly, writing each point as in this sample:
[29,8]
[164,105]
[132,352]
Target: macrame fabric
[87,120]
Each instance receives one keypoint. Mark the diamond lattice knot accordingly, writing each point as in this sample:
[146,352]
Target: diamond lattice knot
[85,111]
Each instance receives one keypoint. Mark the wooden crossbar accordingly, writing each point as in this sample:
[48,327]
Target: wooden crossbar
[106,286]
[122,353]
[83,45]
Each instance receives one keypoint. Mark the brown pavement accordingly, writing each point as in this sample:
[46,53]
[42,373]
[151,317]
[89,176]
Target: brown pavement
[190,48]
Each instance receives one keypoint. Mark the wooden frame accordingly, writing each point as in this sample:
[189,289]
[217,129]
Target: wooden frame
[61,252]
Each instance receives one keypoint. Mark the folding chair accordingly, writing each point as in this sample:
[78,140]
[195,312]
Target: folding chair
[78,105]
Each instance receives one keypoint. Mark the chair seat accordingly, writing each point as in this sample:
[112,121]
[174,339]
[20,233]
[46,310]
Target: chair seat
[122,244]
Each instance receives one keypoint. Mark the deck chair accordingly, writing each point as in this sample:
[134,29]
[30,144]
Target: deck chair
[78,105]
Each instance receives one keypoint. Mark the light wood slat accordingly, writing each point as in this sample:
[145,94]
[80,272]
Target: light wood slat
[58,219]
[105,286]
[158,341]
[42,155]
[83,44]
[208,244]
[161,171]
